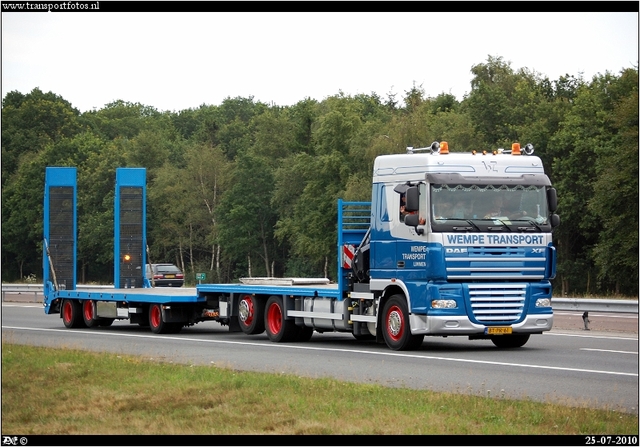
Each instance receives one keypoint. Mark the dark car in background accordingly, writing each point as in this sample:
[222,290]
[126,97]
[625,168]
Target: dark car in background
[165,275]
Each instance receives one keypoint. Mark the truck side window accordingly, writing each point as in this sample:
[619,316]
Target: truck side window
[403,202]
[383,211]
[422,212]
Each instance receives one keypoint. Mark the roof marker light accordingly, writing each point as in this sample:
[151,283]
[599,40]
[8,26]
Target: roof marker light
[444,147]
[515,149]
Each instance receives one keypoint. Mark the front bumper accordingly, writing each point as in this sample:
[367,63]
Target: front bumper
[461,325]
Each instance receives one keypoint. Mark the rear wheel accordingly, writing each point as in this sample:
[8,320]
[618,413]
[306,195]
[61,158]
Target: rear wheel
[305,333]
[72,314]
[157,323]
[278,328]
[364,337]
[510,341]
[251,315]
[395,326]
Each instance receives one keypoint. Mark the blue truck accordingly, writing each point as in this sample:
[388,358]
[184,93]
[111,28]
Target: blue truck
[450,244]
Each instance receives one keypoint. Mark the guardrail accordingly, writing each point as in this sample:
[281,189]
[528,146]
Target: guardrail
[565,304]
[595,305]
[34,292]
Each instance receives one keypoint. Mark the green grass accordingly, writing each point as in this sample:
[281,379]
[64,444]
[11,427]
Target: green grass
[63,391]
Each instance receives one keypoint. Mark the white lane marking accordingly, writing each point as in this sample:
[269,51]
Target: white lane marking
[609,350]
[351,351]
[615,337]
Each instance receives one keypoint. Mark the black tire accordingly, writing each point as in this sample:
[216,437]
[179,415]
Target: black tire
[364,337]
[278,328]
[304,333]
[395,325]
[157,323]
[105,322]
[144,317]
[88,314]
[71,313]
[251,315]
[510,341]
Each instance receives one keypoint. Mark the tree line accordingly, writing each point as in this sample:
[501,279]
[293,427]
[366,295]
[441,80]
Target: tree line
[250,189]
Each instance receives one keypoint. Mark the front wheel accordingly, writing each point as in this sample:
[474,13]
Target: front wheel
[278,328]
[72,314]
[395,326]
[510,341]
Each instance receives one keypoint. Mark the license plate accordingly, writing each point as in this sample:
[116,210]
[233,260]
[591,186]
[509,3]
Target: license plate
[498,330]
[169,276]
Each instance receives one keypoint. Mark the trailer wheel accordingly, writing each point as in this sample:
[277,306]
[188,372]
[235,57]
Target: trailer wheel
[106,321]
[143,320]
[72,314]
[158,325]
[510,341]
[395,329]
[251,315]
[278,328]
[88,314]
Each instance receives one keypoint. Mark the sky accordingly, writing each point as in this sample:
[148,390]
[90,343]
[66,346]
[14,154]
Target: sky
[180,60]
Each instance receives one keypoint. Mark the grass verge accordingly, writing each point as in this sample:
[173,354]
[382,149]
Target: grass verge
[61,391]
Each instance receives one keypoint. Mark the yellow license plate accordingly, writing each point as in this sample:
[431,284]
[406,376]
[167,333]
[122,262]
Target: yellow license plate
[170,276]
[498,330]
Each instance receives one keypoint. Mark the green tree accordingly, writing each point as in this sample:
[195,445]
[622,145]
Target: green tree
[120,119]
[307,189]
[585,135]
[246,219]
[615,196]
[32,121]
[501,102]
[96,195]
[22,205]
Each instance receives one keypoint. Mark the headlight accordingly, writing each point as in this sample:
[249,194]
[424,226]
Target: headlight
[443,304]
[543,302]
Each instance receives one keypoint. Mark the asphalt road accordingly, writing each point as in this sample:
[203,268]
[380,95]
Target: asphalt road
[568,365]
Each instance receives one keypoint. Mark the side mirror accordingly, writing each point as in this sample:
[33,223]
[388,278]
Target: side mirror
[413,220]
[554,220]
[552,199]
[413,199]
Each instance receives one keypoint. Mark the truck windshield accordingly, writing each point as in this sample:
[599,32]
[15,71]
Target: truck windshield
[502,203]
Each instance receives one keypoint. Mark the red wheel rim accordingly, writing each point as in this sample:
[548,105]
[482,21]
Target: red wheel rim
[245,310]
[395,323]
[156,316]
[87,308]
[67,311]
[274,317]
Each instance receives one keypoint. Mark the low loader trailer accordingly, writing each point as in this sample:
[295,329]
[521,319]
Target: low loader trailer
[450,244]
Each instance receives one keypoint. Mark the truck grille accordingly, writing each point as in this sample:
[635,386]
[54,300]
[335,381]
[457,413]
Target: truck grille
[493,303]
[495,263]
